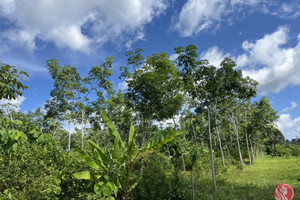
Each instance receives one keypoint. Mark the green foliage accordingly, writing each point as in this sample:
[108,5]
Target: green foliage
[10,86]
[114,172]
[154,89]
[143,161]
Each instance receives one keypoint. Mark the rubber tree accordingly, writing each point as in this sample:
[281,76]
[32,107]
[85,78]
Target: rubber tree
[262,122]
[199,79]
[67,85]
[235,90]
[154,88]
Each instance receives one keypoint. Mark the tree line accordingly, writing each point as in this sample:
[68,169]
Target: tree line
[120,137]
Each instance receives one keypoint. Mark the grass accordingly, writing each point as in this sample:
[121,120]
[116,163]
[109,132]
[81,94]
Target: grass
[258,182]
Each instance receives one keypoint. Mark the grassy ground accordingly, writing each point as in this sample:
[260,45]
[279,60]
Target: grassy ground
[258,182]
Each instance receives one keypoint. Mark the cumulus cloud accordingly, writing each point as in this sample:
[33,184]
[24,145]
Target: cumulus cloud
[266,60]
[78,25]
[288,126]
[202,15]
[214,55]
[292,107]
[270,63]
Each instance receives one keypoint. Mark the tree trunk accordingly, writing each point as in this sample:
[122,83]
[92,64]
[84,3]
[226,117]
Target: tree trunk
[228,152]
[256,151]
[195,138]
[251,147]
[193,188]
[211,151]
[178,140]
[238,141]
[220,144]
[69,140]
[82,128]
[250,160]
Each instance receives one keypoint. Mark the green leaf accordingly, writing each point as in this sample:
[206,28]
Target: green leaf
[134,185]
[98,187]
[131,142]
[117,150]
[131,134]
[112,129]
[99,160]
[86,157]
[99,150]
[86,175]
[160,139]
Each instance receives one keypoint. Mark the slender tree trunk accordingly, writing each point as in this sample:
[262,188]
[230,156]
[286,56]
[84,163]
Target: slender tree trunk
[211,151]
[251,147]
[238,141]
[82,128]
[256,151]
[250,160]
[193,188]
[247,143]
[195,138]
[220,144]
[229,156]
[179,143]
[69,140]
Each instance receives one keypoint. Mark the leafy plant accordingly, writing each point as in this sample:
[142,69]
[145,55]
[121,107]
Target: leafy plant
[113,169]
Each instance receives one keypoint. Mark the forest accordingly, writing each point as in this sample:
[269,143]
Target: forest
[181,130]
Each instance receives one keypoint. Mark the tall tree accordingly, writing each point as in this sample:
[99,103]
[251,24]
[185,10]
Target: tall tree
[67,85]
[154,88]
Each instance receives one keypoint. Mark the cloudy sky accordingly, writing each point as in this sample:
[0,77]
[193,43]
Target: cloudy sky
[262,36]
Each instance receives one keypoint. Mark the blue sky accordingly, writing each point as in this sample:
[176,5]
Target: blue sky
[262,36]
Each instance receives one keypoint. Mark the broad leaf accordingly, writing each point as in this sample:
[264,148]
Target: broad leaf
[99,160]
[160,139]
[100,151]
[86,157]
[117,150]
[112,129]
[86,175]
[131,142]
[131,134]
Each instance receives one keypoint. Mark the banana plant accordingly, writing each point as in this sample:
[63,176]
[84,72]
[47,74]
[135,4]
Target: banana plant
[113,170]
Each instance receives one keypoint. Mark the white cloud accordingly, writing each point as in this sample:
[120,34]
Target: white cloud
[77,24]
[289,127]
[202,15]
[214,55]
[197,15]
[293,106]
[122,86]
[266,60]
[173,56]
[18,38]
[13,104]
[286,10]
[272,65]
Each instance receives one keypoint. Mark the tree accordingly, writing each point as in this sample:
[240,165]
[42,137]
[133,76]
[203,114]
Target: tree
[199,82]
[67,85]
[154,89]
[10,86]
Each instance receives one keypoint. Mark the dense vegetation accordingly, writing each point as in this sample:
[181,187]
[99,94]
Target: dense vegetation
[122,146]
